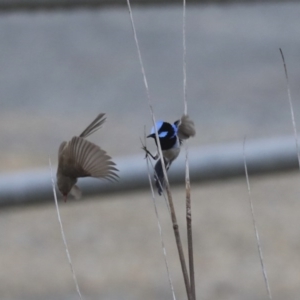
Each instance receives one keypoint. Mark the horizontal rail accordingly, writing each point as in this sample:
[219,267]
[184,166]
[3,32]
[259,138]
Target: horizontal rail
[17,5]
[212,162]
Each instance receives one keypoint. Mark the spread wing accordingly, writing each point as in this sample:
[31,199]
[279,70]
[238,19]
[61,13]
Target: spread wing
[81,158]
[94,126]
[186,128]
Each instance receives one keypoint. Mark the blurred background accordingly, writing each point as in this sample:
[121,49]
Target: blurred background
[61,67]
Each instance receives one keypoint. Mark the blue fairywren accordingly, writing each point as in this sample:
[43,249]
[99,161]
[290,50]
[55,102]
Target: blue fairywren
[170,137]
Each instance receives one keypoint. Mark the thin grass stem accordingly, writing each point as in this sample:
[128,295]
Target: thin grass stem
[173,215]
[264,271]
[63,234]
[291,107]
[160,229]
[184,56]
[187,172]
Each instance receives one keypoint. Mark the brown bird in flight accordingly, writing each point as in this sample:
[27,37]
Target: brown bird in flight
[81,158]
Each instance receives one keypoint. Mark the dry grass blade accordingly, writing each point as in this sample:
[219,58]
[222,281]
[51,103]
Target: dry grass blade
[187,171]
[173,215]
[160,229]
[264,271]
[189,226]
[63,233]
[184,55]
[179,243]
[291,106]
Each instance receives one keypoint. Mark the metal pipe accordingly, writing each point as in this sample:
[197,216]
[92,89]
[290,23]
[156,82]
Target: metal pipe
[212,162]
[29,5]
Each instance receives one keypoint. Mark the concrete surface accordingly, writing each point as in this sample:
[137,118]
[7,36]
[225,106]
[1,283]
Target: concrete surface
[59,69]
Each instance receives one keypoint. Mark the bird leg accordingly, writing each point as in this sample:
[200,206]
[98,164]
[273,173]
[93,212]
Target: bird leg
[149,153]
[155,157]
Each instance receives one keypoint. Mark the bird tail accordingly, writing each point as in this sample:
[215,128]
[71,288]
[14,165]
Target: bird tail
[186,128]
[159,175]
[94,126]
[75,192]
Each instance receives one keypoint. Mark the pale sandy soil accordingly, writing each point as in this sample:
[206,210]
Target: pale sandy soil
[116,251]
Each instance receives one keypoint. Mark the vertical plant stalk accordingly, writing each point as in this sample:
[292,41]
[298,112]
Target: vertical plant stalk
[173,215]
[179,244]
[291,106]
[187,171]
[264,271]
[184,55]
[159,228]
[189,226]
[63,234]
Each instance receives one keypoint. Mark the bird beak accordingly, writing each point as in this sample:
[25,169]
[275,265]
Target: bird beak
[151,135]
[65,198]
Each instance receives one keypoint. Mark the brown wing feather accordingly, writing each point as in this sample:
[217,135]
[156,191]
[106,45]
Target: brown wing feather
[91,160]
[94,126]
[186,128]
[67,165]
[61,148]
